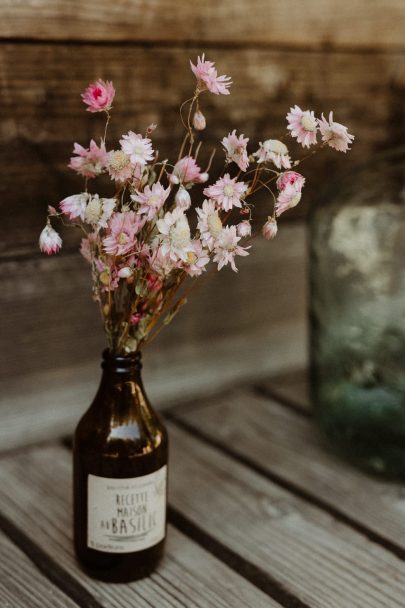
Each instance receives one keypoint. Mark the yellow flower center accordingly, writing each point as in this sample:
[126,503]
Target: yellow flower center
[214,224]
[228,190]
[119,160]
[308,122]
[191,257]
[122,238]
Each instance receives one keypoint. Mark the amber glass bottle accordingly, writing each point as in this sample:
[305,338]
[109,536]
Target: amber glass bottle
[120,466]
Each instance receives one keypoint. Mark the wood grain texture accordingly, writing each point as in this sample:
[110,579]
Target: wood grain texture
[46,308]
[291,387]
[362,23]
[22,585]
[188,577]
[42,113]
[287,444]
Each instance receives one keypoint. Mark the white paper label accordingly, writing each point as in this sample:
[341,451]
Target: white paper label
[126,515]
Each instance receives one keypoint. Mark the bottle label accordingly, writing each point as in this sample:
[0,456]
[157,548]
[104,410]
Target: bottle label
[126,515]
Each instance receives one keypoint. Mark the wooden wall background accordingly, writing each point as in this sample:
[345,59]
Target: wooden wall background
[346,56]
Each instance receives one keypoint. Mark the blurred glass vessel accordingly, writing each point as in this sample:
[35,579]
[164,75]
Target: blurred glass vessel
[357,314]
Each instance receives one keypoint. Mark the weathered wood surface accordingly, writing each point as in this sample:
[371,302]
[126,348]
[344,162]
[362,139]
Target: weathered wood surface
[188,577]
[290,387]
[42,113]
[362,23]
[283,443]
[253,324]
[22,585]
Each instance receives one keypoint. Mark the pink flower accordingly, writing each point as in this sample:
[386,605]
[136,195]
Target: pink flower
[119,166]
[162,263]
[303,126]
[187,171]
[138,148]
[99,96]
[122,230]
[75,205]
[199,122]
[197,259]
[89,162]
[175,236]
[244,228]
[270,228]
[235,147]
[49,240]
[209,223]
[291,178]
[207,77]
[288,198]
[226,248]
[87,246]
[151,200]
[335,134]
[226,192]
[275,151]
[99,210]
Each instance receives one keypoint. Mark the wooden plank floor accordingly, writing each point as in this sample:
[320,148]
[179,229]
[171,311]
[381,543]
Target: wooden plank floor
[260,515]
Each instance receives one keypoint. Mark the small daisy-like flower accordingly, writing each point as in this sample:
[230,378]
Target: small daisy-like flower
[176,237]
[235,148]
[335,134]
[244,228]
[186,171]
[291,178]
[89,162]
[207,77]
[197,259]
[99,96]
[99,210]
[119,166]
[209,223]
[269,229]
[275,151]
[226,192]
[226,248]
[75,205]
[303,126]
[122,230]
[49,240]
[138,148]
[288,198]
[151,200]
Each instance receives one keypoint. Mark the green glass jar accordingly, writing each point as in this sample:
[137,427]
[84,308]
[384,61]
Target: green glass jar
[357,315]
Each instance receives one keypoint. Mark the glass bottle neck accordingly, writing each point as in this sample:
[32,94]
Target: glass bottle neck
[125,366]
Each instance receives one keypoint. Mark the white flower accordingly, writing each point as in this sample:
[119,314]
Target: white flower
[335,134]
[275,151]
[99,210]
[226,248]
[176,236]
[269,229]
[197,259]
[138,148]
[244,228]
[75,206]
[49,240]
[182,198]
[209,223]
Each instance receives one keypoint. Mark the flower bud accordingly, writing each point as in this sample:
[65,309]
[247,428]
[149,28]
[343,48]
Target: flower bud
[204,177]
[125,272]
[182,198]
[270,228]
[173,179]
[244,228]
[199,121]
[49,240]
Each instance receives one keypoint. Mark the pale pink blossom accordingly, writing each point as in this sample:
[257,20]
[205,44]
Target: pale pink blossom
[99,96]
[87,246]
[269,229]
[303,126]
[209,223]
[138,148]
[119,166]
[75,205]
[182,199]
[197,259]
[235,148]
[226,248]
[89,162]
[291,178]
[99,210]
[335,134]
[49,240]
[287,198]
[207,77]
[275,151]
[244,228]
[226,192]
[175,235]
[151,200]
[187,171]
[122,230]
[162,263]
[199,122]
